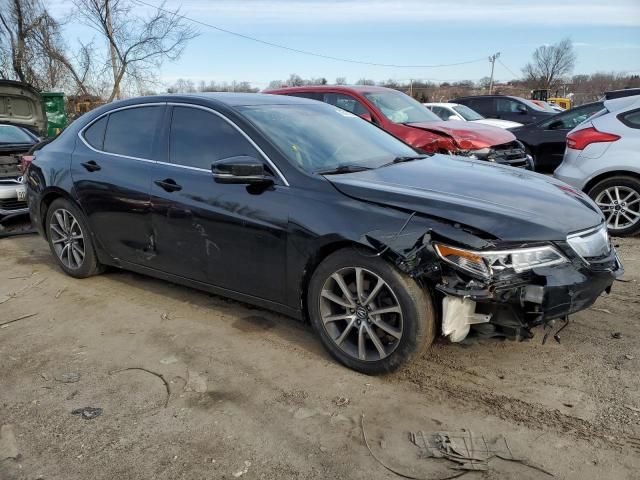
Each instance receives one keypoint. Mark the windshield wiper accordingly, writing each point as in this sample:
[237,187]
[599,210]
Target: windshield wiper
[342,169]
[408,158]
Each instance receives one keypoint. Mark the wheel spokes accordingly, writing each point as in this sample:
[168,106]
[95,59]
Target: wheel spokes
[336,299]
[343,286]
[346,332]
[394,332]
[67,239]
[361,314]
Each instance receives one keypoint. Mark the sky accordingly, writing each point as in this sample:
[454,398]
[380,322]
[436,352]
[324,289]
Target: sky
[412,33]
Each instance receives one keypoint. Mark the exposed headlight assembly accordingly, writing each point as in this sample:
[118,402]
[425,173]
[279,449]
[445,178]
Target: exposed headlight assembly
[591,243]
[488,263]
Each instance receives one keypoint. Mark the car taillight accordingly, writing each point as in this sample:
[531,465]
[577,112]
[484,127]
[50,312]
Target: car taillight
[582,138]
[25,161]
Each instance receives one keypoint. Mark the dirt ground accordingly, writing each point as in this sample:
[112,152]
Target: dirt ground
[253,395]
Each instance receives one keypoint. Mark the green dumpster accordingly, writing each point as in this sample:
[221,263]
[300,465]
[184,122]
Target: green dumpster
[56,115]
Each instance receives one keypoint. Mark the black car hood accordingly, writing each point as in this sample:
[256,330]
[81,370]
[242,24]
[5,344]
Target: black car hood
[506,202]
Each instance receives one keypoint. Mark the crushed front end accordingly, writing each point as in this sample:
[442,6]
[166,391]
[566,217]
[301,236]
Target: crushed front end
[512,154]
[506,290]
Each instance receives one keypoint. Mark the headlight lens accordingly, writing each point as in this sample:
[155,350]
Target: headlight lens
[591,243]
[488,263]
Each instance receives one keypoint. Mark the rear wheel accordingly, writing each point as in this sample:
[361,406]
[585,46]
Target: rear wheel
[619,200]
[369,316]
[70,239]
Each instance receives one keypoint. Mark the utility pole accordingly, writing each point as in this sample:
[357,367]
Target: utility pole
[492,59]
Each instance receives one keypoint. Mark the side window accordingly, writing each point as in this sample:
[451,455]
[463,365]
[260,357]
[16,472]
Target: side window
[94,135]
[131,132]
[507,105]
[480,105]
[631,119]
[198,138]
[441,112]
[345,102]
[572,118]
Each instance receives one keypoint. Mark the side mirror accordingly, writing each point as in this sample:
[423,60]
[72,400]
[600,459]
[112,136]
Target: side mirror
[522,109]
[453,117]
[243,170]
[557,125]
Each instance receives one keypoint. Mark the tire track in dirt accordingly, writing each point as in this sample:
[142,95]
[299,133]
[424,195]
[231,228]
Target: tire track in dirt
[530,415]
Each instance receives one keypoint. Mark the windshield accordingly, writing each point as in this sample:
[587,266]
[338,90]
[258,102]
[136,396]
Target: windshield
[468,114]
[534,105]
[323,137]
[401,108]
[10,134]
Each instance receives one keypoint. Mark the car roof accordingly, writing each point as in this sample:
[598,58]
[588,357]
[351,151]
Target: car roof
[622,103]
[441,104]
[244,99]
[320,88]
[490,96]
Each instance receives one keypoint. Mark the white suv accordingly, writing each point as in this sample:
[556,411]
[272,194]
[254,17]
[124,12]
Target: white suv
[602,158]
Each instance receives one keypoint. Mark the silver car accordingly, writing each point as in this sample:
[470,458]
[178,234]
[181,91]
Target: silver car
[602,158]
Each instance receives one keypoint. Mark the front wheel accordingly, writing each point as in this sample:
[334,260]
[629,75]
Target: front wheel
[369,316]
[619,200]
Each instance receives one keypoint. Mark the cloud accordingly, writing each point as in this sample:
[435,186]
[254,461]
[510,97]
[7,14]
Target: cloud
[491,12]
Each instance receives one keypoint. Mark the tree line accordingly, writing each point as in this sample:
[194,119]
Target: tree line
[125,53]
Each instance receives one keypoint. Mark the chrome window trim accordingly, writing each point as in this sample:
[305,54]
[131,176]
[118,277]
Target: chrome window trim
[127,107]
[182,166]
[190,105]
[242,132]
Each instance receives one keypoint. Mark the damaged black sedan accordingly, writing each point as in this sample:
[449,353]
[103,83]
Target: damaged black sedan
[301,207]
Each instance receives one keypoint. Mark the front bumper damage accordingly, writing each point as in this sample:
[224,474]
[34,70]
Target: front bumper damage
[508,306]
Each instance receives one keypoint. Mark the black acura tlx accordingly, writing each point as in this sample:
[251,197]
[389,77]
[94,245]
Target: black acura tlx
[303,208]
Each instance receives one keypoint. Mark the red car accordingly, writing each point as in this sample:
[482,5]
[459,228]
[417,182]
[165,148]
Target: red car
[415,124]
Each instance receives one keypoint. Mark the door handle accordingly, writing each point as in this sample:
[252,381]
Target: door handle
[168,184]
[91,166]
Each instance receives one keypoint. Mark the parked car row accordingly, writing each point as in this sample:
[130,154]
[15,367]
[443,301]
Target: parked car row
[410,121]
[308,209]
[592,147]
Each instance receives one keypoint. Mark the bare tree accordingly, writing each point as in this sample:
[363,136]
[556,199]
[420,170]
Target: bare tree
[137,45]
[550,63]
[341,80]
[32,49]
[365,81]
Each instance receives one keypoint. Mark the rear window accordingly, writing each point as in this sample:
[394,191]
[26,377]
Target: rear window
[131,132]
[631,119]
[10,134]
[94,135]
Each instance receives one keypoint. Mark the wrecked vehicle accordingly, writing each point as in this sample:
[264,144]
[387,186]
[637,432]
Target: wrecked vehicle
[413,123]
[303,208]
[22,120]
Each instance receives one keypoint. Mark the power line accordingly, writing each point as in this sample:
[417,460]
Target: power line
[303,52]
[510,71]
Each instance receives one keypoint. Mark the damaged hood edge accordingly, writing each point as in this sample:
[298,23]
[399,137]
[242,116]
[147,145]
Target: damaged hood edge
[507,203]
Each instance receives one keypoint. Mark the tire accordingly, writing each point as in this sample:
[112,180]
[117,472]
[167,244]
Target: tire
[619,198]
[66,248]
[409,319]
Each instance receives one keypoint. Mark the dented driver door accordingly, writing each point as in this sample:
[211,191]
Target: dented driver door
[229,236]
